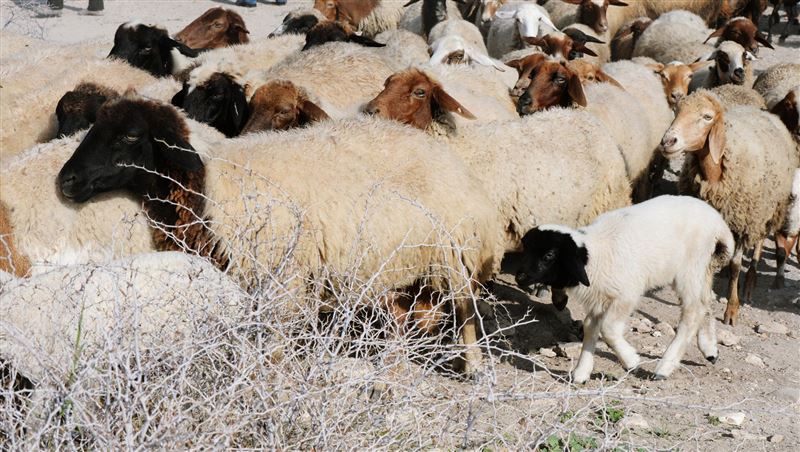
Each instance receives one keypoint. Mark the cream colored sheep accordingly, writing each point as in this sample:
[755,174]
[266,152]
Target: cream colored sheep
[412,17]
[512,23]
[736,95]
[732,65]
[403,48]
[707,10]
[774,83]
[741,161]
[674,36]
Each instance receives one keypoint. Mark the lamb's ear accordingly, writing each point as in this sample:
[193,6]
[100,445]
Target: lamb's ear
[559,298]
[448,103]
[603,77]
[578,270]
[580,47]
[310,112]
[656,67]
[166,44]
[410,2]
[575,90]
[364,41]
[617,3]
[763,41]
[697,65]
[717,33]
[180,97]
[716,140]
[536,41]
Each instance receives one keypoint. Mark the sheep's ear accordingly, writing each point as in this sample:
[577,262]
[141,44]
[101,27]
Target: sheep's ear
[716,141]
[364,41]
[616,3]
[410,2]
[535,41]
[448,103]
[580,47]
[176,150]
[763,41]
[575,90]
[624,33]
[311,112]
[748,56]
[482,59]
[578,270]
[166,44]
[180,97]
[559,298]
[717,33]
[603,77]
[697,65]
[656,67]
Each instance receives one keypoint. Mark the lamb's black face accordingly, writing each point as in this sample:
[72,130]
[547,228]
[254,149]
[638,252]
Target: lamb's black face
[129,141]
[552,258]
[296,25]
[77,111]
[148,48]
[219,102]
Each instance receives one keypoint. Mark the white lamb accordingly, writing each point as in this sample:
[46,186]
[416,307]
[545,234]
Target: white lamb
[606,267]
[513,22]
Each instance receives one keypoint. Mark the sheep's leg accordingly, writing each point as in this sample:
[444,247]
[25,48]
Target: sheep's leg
[465,316]
[774,18]
[613,330]
[783,248]
[732,310]
[706,334]
[692,313]
[752,272]
[591,332]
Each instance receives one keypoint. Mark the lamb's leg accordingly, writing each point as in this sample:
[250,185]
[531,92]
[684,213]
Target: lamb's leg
[707,335]
[752,272]
[465,316]
[732,310]
[591,332]
[774,18]
[612,327]
[782,251]
[693,311]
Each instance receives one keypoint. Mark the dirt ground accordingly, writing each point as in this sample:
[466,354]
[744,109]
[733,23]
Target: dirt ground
[757,375]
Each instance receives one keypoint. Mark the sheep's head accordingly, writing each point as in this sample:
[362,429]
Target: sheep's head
[676,78]
[529,18]
[524,67]
[591,73]
[552,83]
[453,49]
[131,140]
[298,22]
[218,100]
[329,31]
[489,9]
[280,105]
[594,12]
[743,31]
[554,256]
[563,46]
[77,109]
[624,41]
[149,48]
[698,126]
[217,27]
[412,97]
[350,11]
[788,109]
[731,62]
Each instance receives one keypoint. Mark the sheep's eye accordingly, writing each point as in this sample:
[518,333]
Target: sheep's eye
[217,25]
[549,256]
[591,78]
[146,50]
[284,110]
[131,138]
[560,80]
[419,93]
[707,117]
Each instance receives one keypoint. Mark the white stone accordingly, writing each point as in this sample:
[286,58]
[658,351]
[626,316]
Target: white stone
[570,350]
[771,328]
[775,439]
[634,421]
[731,418]
[665,329]
[727,338]
[656,334]
[754,360]
[547,352]
[642,325]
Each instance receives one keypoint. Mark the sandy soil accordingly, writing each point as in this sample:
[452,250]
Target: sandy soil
[759,376]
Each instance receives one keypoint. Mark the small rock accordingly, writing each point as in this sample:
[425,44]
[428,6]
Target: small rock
[754,360]
[641,325]
[726,371]
[789,394]
[569,349]
[731,418]
[634,421]
[772,328]
[656,334]
[665,329]
[547,352]
[775,439]
[727,338]
[723,300]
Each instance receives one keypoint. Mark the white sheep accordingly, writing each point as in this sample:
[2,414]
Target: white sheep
[512,23]
[403,48]
[674,36]
[256,55]
[737,95]
[776,82]
[412,16]
[707,10]
[46,230]
[732,65]
[456,41]
[298,21]
[684,252]
[388,205]
[788,235]
[741,161]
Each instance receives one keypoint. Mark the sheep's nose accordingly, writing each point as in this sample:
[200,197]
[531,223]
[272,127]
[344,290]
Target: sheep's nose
[371,109]
[668,141]
[67,182]
[738,73]
[675,97]
[271,35]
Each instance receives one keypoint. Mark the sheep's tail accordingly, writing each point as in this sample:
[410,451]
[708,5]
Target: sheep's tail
[723,250]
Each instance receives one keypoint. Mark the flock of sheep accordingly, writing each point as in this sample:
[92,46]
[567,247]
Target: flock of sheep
[411,146]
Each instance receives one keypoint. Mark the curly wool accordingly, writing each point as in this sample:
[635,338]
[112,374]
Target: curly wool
[776,82]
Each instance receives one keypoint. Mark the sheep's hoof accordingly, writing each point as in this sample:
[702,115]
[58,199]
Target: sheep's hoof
[779,283]
[659,377]
[712,359]
[731,313]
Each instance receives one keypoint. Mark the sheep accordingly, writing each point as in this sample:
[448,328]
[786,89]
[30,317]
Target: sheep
[684,252]
[512,23]
[788,110]
[133,305]
[457,41]
[732,65]
[330,31]
[776,82]
[400,185]
[569,45]
[281,105]
[343,74]
[215,28]
[45,230]
[77,109]
[589,12]
[403,48]
[622,114]
[34,112]
[483,12]
[753,8]
[674,36]
[414,21]
[298,22]
[787,236]
[735,95]
[743,31]
[675,77]
[623,43]
[707,10]
[601,46]
[14,43]
[150,48]
[546,190]
[741,161]
[368,16]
